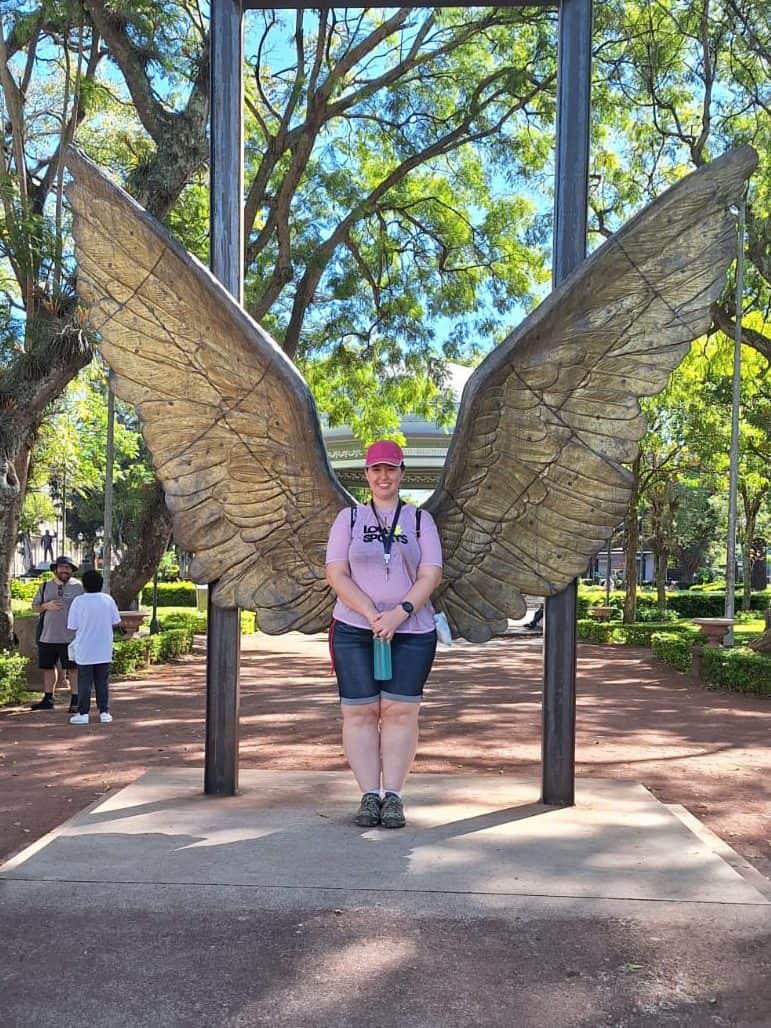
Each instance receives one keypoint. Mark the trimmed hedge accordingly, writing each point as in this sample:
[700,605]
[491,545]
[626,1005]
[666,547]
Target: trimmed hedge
[696,604]
[12,679]
[194,620]
[589,630]
[197,621]
[170,594]
[638,634]
[739,670]
[135,654]
[675,648]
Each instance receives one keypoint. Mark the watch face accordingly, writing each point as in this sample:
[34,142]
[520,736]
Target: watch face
[407,606]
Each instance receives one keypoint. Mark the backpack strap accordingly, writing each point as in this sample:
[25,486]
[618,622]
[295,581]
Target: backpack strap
[354,512]
[418,512]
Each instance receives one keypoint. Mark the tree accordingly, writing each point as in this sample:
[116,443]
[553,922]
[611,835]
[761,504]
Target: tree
[50,53]
[703,393]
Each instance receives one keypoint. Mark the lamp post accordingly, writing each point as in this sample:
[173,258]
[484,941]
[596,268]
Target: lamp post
[154,626]
[733,467]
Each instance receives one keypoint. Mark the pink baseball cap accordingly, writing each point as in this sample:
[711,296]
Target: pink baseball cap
[384,451]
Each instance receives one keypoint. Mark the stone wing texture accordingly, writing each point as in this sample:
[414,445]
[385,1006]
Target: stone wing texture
[534,481]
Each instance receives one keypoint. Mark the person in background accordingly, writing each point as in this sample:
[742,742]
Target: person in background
[93,616]
[383,564]
[47,541]
[536,621]
[52,602]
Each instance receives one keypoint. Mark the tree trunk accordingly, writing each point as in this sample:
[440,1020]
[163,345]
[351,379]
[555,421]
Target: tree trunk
[148,542]
[631,546]
[661,576]
[749,535]
[9,526]
[56,351]
[758,573]
[763,643]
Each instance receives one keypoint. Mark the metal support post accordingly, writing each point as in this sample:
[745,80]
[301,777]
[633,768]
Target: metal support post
[226,233]
[574,78]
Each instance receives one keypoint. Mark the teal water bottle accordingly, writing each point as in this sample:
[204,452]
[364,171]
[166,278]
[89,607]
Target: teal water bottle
[381,654]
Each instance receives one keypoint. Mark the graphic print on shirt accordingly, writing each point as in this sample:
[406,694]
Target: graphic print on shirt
[376,534]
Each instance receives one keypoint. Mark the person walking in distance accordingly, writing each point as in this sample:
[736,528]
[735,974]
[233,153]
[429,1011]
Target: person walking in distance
[93,616]
[52,602]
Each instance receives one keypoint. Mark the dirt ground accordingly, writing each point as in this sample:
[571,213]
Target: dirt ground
[636,719]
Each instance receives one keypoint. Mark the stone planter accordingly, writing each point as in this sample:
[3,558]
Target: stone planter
[25,629]
[132,621]
[714,628]
[601,613]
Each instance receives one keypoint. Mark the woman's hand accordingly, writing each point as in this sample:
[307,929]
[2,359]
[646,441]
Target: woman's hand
[387,623]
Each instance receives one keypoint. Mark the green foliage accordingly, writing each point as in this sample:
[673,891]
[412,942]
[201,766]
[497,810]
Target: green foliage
[738,670]
[129,656]
[674,648]
[25,590]
[641,635]
[248,622]
[652,613]
[194,621]
[589,630]
[12,678]
[168,568]
[133,655]
[174,643]
[170,594]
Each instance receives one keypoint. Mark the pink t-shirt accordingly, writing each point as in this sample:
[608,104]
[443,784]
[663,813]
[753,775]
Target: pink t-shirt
[362,547]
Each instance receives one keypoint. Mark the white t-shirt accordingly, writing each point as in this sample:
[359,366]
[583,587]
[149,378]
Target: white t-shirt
[92,617]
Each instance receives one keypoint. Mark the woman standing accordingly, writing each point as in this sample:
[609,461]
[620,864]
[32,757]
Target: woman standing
[384,561]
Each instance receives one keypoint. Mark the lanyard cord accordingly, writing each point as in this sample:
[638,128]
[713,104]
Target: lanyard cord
[387,540]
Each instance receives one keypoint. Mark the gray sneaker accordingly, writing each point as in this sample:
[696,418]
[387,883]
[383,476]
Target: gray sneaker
[392,812]
[368,814]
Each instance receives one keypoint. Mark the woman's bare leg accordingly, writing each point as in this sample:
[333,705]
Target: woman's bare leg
[398,741]
[361,743]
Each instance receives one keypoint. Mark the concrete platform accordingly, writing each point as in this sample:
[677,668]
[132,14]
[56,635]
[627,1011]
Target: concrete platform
[472,835]
[161,907]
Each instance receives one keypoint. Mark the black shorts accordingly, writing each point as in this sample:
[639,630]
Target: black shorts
[49,653]
[412,654]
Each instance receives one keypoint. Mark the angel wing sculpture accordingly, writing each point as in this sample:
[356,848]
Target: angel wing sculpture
[533,483]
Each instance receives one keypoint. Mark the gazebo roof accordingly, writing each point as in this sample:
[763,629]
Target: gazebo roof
[424,452]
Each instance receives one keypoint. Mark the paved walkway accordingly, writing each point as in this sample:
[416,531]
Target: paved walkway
[159,906]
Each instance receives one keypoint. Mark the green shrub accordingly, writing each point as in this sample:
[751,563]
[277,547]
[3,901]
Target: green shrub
[248,622]
[128,656]
[26,590]
[697,604]
[739,670]
[194,620]
[641,634]
[174,643]
[674,648]
[12,679]
[170,594]
[652,613]
[583,604]
[589,630]
[135,654]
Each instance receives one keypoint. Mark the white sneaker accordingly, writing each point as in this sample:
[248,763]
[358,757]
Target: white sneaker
[79,719]
[105,717]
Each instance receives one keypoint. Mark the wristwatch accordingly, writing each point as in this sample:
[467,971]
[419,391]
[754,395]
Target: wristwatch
[407,606]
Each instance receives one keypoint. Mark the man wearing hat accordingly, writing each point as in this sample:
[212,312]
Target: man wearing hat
[52,601]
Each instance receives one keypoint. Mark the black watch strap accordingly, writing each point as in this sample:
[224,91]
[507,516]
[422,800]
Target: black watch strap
[407,607]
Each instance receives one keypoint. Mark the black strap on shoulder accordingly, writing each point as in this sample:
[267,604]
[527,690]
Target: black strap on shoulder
[354,512]
[418,512]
